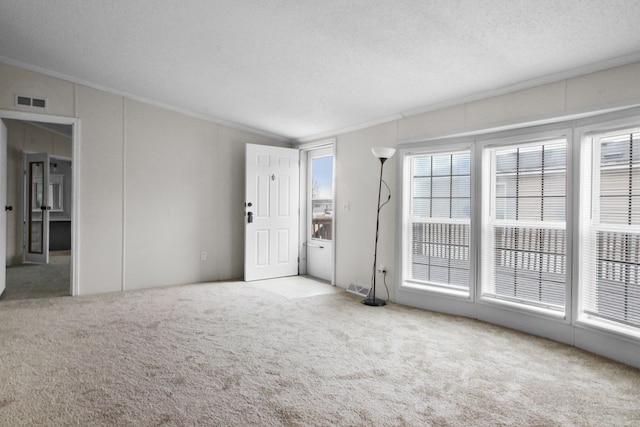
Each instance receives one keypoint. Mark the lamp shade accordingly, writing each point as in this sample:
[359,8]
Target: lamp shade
[383,152]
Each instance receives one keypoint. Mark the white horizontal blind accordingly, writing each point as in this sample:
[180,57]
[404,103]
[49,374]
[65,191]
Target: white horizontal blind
[612,243]
[440,218]
[524,239]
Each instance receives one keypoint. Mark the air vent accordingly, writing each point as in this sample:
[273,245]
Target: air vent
[23,100]
[27,101]
[357,289]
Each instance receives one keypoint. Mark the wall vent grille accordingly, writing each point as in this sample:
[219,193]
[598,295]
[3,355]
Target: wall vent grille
[357,289]
[27,101]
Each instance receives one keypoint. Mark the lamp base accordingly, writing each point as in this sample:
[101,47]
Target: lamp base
[374,302]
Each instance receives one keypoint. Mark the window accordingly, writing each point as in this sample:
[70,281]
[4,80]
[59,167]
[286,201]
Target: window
[439,219]
[322,197]
[524,224]
[611,229]
[56,192]
[537,229]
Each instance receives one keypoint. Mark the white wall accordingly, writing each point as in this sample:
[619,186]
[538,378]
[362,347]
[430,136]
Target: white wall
[184,194]
[357,180]
[17,81]
[155,187]
[170,196]
[101,171]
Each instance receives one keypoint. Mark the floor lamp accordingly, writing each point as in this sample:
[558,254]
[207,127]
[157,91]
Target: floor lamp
[382,153]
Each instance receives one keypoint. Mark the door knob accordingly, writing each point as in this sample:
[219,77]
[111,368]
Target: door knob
[249,217]
[8,208]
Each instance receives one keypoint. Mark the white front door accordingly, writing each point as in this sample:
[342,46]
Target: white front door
[271,206]
[36,208]
[3,203]
[320,212]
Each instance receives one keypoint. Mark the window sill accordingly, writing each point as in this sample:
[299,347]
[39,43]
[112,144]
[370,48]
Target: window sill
[520,308]
[612,328]
[422,287]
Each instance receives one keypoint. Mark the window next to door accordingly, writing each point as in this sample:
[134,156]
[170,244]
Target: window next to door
[322,198]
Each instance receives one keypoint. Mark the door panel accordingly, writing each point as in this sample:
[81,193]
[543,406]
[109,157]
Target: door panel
[284,196]
[37,208]
[262,205]
[262,248]
[319,239]
[271,205]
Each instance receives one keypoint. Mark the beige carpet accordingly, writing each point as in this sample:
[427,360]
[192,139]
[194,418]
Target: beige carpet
[237,354]
[28,281]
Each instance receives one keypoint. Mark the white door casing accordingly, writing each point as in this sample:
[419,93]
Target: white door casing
[271,212]
[36,208]
[75,193]
[320,189]
[3,203]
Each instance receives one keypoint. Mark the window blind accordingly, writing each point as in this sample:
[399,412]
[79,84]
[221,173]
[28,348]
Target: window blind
[524,241]
[612,245]
[440,219]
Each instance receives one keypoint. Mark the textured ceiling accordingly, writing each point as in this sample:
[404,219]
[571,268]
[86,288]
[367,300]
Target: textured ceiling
[304,68]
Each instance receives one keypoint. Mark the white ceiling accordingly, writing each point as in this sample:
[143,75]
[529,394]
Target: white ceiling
[300,69]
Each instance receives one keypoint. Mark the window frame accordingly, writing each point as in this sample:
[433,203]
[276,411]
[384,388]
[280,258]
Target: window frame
[589,187]
[526,138]
[404,210]
[472,301]
[320,153]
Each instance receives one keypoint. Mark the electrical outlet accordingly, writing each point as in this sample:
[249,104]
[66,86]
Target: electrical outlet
[382,269]
[203,256]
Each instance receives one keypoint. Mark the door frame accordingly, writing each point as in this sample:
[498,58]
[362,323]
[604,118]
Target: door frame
[304,151]
[75,181]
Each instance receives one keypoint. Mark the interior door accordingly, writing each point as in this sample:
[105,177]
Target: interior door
[271,212]
[319,238]
[3,203]
[36,209]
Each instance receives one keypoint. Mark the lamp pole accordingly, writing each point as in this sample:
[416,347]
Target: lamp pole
[371,299]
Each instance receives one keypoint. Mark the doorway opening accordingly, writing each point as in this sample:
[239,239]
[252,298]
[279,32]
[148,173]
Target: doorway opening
[38,247]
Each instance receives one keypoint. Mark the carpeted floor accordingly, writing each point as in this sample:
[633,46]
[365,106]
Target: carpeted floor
[28,281]
[238,354]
